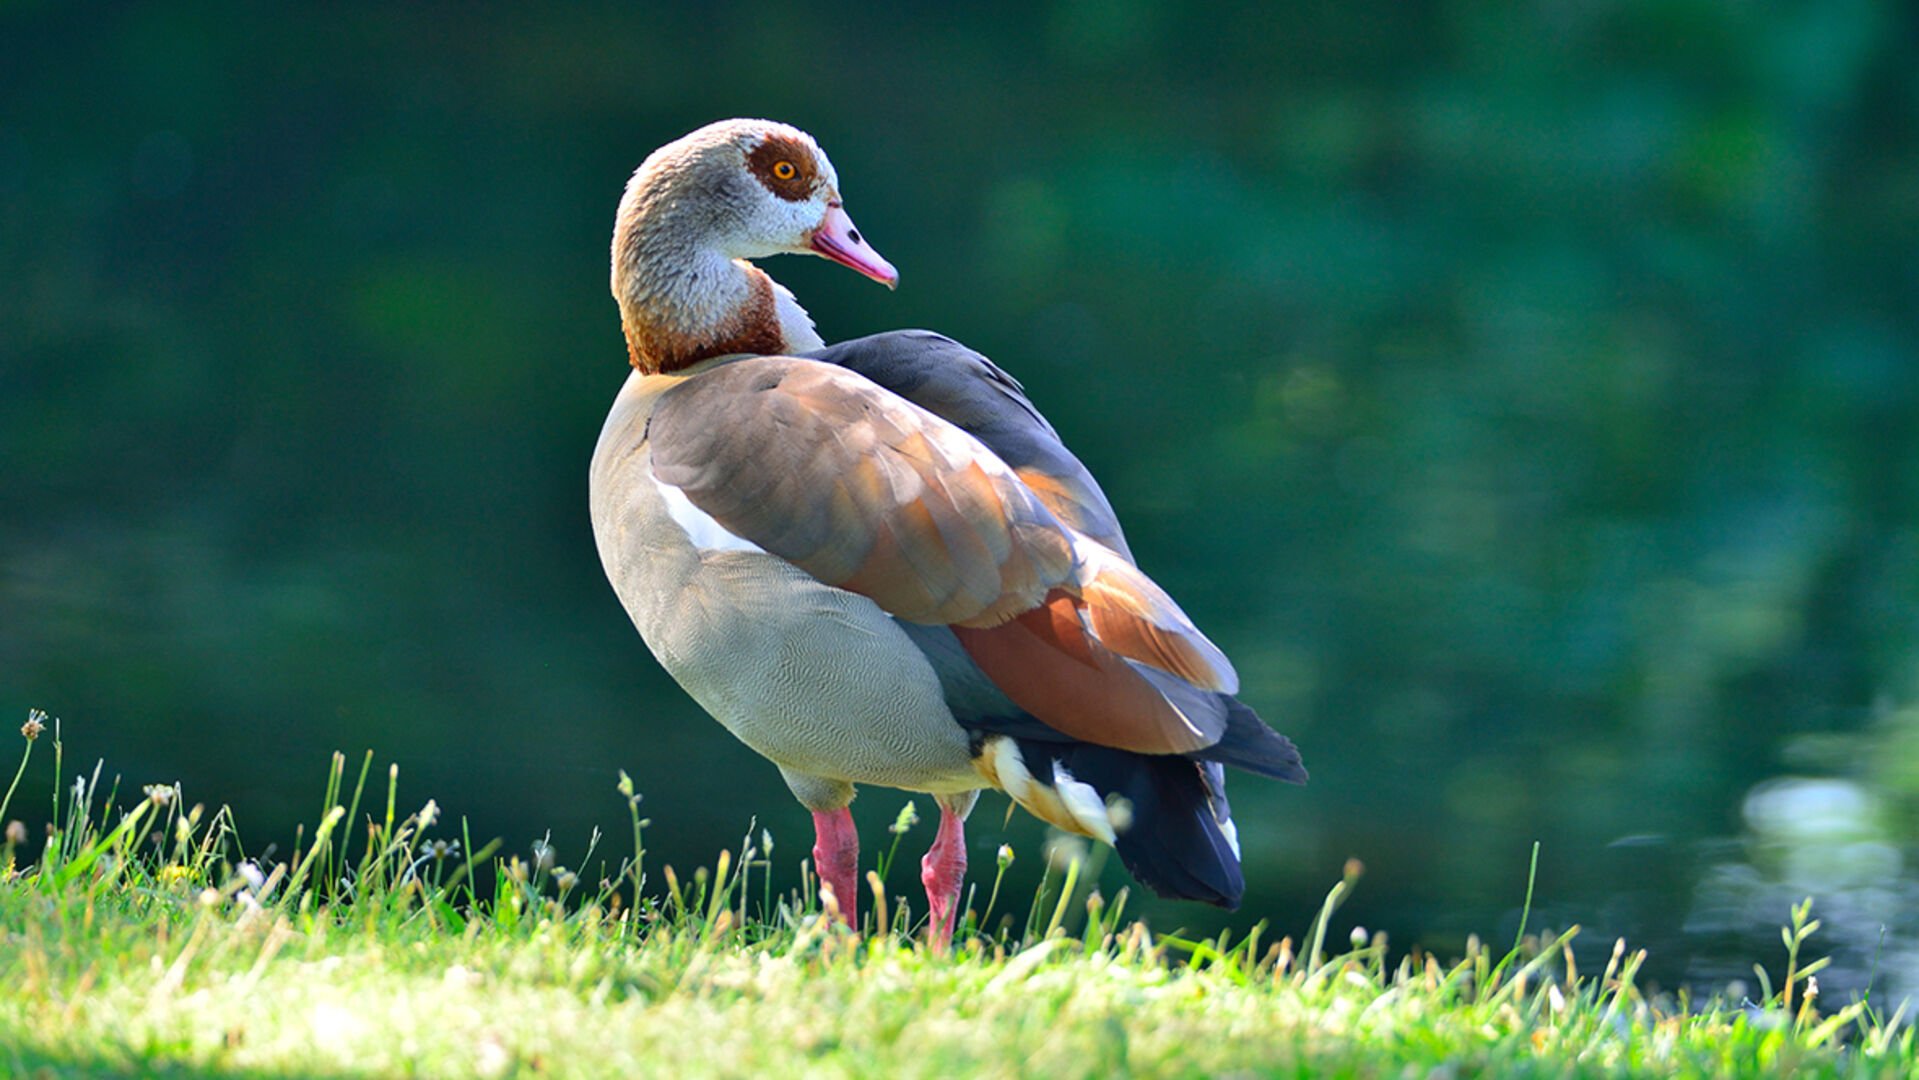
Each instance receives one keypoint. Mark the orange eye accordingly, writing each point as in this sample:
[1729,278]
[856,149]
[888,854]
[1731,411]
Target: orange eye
[784,170]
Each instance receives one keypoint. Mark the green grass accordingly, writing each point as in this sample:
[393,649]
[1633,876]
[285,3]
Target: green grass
[142,940]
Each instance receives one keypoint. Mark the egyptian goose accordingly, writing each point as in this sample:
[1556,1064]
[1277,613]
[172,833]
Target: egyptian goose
[876,563]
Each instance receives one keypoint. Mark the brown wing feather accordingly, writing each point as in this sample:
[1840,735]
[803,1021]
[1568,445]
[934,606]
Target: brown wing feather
[860,489]
[966,389]
[1072,498]
[1134,617]
[868,492]
[1046,662]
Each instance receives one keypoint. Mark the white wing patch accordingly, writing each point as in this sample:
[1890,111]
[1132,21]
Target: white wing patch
[699,526]
[1231,832]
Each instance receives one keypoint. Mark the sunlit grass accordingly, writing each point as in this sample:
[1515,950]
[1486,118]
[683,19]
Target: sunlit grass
[143,938]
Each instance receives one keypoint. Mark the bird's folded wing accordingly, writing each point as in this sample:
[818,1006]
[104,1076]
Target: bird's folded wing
[969,391]
[870,493]
[860,489]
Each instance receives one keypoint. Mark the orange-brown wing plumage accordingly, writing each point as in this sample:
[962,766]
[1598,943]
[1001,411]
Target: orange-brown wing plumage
[966,389]
[1049,665]
[860,489]
[870,493]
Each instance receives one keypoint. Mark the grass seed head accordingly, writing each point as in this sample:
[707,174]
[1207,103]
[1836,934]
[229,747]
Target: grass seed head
[1471,1018]
[909,816]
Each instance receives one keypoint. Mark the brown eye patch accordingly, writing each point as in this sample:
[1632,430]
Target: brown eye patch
[785,166]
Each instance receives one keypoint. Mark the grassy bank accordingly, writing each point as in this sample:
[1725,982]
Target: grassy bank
[139,938]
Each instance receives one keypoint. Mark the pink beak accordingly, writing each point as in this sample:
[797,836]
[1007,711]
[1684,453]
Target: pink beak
[838,240]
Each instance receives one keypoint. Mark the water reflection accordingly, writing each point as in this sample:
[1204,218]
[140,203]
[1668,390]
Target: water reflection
[1830,839]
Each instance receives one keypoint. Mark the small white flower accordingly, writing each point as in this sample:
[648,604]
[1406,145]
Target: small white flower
[492,1059]
[251,872]
[429,814]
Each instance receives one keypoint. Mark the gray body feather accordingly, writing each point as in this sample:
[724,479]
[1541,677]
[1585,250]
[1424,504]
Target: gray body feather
[816,679]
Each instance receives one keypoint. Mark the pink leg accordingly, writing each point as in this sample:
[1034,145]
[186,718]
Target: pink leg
[836,859]
[943,871]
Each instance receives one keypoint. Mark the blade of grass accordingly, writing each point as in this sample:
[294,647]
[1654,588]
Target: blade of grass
[19,772]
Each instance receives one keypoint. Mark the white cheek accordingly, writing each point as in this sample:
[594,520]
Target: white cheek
[798,220]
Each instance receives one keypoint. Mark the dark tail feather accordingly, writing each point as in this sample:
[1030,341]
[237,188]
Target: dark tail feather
[1249,744]
[1178,843]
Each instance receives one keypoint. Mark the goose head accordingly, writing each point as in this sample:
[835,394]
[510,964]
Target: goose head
[696,211]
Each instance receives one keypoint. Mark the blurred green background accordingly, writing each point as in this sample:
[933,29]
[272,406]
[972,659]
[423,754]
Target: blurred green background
[1524,395]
